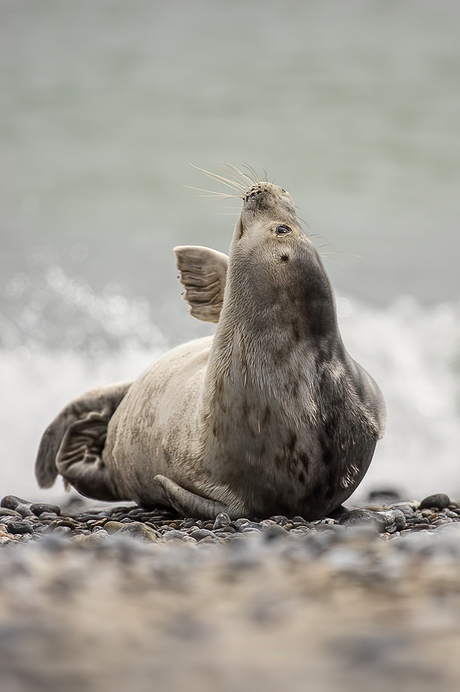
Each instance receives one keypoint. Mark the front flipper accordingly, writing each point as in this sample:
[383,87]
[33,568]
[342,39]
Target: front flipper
[72,444]
[203,274]
[186,503]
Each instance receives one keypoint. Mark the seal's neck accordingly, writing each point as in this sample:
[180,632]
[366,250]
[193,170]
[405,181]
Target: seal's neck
[269,334]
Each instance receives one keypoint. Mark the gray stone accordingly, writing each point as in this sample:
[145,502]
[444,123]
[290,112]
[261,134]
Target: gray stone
[199,534]
[394,519]
[19,526]
[221,520]
[138,530]
[4,512]
[174,534]
[440,500]
[358,517]
[39,507]
[280,519]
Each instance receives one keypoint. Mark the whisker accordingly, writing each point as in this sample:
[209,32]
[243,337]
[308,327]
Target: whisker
[212,193]
[253,173]
[246,178]
[303,220]
[219,178]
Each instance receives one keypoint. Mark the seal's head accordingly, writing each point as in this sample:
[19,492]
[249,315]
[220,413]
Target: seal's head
[274,264]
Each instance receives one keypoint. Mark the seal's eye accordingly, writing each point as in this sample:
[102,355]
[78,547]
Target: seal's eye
[283,230]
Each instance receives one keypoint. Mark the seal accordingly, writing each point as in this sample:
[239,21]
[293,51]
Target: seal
[268,416]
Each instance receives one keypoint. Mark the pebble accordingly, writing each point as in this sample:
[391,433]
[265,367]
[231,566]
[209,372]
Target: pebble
[221,520]
[138,530]
[17,526]
[39,507]
[440,500]
[21,520]
[199,534]
[113,526]
[358,517]
[4,512]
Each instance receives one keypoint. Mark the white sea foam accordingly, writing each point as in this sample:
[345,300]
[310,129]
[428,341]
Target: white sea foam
[412,351]
[414,354]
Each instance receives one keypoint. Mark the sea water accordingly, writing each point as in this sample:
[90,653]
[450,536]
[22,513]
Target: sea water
[353,107]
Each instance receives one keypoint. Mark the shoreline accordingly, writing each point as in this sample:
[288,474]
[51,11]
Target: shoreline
[168,604]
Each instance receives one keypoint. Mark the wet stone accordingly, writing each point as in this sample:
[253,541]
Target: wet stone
[440,500]
[221,520]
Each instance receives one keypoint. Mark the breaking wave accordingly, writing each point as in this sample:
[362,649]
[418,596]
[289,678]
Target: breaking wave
[62,338]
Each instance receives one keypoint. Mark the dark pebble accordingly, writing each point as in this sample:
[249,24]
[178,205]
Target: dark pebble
[39,507]
[48,516]
[19,526]
[4,512]
[440,501]
[11,501]
[300,520]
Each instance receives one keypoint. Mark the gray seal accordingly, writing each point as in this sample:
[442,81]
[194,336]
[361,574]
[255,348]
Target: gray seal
[269,416]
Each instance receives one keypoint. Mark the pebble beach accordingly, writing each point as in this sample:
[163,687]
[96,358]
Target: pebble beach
[123,598]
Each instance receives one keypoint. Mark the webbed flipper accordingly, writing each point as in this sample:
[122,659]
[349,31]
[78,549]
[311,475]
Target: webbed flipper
[203,274]
[72,444]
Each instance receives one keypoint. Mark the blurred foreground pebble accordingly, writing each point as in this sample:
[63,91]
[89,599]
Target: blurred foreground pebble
[124,598]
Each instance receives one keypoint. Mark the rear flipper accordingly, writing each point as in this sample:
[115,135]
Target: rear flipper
[72,444]
[188,504]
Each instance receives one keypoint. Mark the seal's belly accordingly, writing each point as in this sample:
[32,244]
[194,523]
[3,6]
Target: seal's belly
[155,428]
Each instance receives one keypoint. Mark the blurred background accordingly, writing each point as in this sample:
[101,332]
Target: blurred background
[353,107]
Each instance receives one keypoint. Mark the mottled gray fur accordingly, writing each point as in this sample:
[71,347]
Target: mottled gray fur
[269,416]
